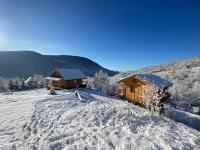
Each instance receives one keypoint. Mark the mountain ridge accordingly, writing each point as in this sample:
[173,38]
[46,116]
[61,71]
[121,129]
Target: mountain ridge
[27,63]
[179,65]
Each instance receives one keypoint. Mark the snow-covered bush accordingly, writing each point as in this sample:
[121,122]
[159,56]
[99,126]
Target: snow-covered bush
[4,84]
[52,91]
[101,81]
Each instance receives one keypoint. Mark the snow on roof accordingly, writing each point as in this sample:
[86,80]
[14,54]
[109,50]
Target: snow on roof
[153,79]
[71,74]
[28,80]
[53,78]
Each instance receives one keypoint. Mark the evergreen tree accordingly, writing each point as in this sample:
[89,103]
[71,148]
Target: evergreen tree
[23,84]
[10,84]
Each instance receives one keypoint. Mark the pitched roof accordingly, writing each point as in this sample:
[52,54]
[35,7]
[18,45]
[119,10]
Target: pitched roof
[70,74]
[152,79]
[28,80]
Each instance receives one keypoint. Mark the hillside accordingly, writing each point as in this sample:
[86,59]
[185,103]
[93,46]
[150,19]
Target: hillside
[190,65]
[27,63]
[42,121]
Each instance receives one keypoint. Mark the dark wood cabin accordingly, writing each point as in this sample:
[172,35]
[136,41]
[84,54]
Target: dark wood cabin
[66,78]
[136,87]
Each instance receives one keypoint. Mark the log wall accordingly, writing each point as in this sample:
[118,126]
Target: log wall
[134,90]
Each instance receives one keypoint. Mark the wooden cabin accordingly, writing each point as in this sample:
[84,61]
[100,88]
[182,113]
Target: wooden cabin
[66,78]
[137,87]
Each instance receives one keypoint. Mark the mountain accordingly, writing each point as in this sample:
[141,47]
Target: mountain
[27,63]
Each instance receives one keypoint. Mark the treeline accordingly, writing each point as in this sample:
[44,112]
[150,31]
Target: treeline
[36,81]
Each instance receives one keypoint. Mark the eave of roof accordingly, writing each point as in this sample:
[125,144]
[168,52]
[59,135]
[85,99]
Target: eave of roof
[53,78]
[151,79]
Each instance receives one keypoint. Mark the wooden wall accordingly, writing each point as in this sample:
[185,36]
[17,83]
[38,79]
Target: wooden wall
[137,92]
[67,84]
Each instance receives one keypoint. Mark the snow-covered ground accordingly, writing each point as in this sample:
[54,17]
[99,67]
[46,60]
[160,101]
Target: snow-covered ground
[15,110]
[36,120]
[184,117]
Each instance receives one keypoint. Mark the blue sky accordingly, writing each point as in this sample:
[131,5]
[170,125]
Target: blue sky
[118,34]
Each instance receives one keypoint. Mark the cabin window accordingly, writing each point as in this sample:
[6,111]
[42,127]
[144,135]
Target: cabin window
[133,87]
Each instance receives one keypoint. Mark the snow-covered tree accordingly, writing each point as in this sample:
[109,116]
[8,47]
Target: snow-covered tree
[11,84]
[17,83]
[101,81]
[186,86]
[90,82]
[185,91]
[23,84]
[1,83]
[6,85]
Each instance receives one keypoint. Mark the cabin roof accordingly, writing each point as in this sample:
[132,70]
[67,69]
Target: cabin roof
[28,80]
[70,74]
[152,79]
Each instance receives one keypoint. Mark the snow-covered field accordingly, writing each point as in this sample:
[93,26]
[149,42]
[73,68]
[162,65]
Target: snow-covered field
[36,120]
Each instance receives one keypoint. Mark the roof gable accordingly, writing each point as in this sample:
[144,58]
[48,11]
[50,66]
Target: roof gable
[70,74]
[154,80]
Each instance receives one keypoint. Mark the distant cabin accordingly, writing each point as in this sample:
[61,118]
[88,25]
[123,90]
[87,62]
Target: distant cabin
[136,87]
[66,78]
[29,80]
